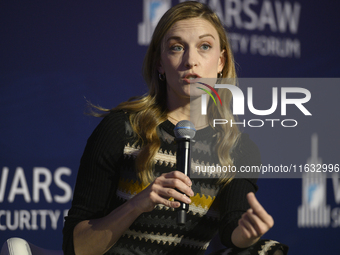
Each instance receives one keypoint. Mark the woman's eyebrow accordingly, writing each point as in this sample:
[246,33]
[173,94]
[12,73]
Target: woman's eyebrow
[178,38]
[205,35]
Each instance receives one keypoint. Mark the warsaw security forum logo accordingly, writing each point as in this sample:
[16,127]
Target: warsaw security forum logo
[314,212]
[153,10]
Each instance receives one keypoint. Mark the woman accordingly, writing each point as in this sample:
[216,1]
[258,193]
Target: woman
[127,173]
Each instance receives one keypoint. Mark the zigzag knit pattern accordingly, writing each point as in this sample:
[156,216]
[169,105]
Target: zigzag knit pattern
[158,230]
[107,179]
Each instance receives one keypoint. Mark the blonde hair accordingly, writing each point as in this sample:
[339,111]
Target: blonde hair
[150,110]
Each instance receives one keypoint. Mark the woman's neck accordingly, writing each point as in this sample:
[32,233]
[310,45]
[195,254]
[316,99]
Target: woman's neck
[187,110]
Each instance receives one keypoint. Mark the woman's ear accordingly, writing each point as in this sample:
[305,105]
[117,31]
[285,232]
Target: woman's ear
[160,68]
[221,61]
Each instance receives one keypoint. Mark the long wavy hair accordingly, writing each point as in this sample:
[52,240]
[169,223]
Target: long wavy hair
[149,111]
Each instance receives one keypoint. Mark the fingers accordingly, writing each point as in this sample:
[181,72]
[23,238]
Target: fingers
[146,200]
[175,180]
[167,202]
[178,175]
[171,185]
[169,192]
[254,224]
[256,221]
[258,211]
[248,229]
[255,205]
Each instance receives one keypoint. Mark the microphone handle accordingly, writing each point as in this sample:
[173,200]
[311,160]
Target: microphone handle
[184,166]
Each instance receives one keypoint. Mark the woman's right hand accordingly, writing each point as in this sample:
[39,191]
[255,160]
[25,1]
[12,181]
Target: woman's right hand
[98,235]
[159,192]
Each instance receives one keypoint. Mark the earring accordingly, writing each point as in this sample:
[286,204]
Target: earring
[219,75]
[161,77]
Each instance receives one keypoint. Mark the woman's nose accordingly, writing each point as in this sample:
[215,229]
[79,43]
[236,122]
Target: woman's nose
[190,58]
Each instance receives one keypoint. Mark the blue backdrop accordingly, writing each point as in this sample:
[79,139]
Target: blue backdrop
[55,55]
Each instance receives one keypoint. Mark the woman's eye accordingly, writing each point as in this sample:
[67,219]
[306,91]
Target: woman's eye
[177,48]
[205,47]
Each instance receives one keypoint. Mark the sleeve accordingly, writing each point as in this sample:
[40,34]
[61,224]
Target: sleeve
[233,201]
[97,177]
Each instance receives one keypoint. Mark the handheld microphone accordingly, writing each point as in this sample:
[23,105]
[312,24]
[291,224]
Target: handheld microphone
[184,132]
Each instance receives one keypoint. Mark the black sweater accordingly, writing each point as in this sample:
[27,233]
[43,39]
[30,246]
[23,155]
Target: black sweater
[106,179]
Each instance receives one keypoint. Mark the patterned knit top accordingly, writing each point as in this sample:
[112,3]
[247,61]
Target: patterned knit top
[106,179]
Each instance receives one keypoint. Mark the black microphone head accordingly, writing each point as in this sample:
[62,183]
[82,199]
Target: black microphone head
[185,129]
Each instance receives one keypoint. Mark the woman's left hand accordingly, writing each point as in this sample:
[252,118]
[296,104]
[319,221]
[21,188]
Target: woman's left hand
[253,224]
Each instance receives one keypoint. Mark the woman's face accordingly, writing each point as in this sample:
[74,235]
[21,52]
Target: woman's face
[190,50]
